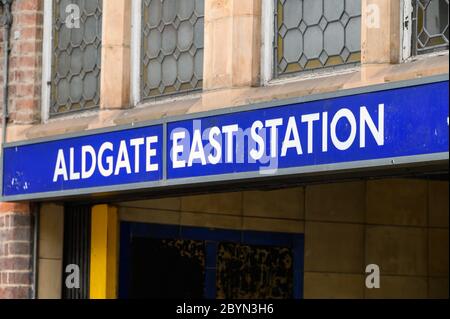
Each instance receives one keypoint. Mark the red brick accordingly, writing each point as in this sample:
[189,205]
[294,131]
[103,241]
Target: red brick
[15,263]
[14,208]
[25,90]
[5,235]
[24,116]
[22,233]
[20,220]
[29,19]
[19,278]
[19,248]
[28,5]
[15,292]
[28,104]
[19,75]
[30,33]
[31,48]
[23,63]
[3,278]
[20,113]
[15,234]
[25,80]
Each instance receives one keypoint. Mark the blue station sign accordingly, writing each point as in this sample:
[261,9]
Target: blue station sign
[379,126]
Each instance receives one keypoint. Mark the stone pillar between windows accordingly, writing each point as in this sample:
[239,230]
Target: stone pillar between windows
[115,69]
[380,32]
[232,43]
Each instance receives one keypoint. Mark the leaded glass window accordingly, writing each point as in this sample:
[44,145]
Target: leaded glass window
[254,272]
[172,47]
[431,25]
[314,34]
[77,29]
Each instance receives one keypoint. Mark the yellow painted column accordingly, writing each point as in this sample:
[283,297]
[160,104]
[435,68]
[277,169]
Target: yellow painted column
[104,252]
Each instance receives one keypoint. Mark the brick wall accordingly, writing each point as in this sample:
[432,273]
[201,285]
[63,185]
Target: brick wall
[15,251]
[24,108]
[25,62]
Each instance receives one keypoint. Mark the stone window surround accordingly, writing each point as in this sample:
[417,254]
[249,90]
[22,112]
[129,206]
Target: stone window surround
[267,53]
[404,39]
[115,46]
[136,52]
[186,50]
[313,35]
[84,77]
[47,64]
[426,40]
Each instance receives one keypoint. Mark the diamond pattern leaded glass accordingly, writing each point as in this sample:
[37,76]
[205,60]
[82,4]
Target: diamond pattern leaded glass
[431,25]
[76,56]
[314,34]
[172,47]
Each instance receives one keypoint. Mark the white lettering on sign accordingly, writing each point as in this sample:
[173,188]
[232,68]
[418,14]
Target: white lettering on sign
[343,130]
[177,149]
[150,152]
[85,150]
[104,161]
[348,115]
[257,154]
[61,168]
[295,142]
[310,119]
[264,141]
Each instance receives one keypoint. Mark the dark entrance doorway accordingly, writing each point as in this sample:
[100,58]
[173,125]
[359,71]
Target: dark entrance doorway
[160,261]
[162,268]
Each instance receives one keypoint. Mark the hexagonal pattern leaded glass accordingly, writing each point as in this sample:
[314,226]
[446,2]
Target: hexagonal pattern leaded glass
[172,47]
[431,17]
[77,34]
[314,34]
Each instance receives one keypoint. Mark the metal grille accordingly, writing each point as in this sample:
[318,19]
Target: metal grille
[314,34]
[172,47]
[77,33]
[254,272]
[77,246]
[431,25]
